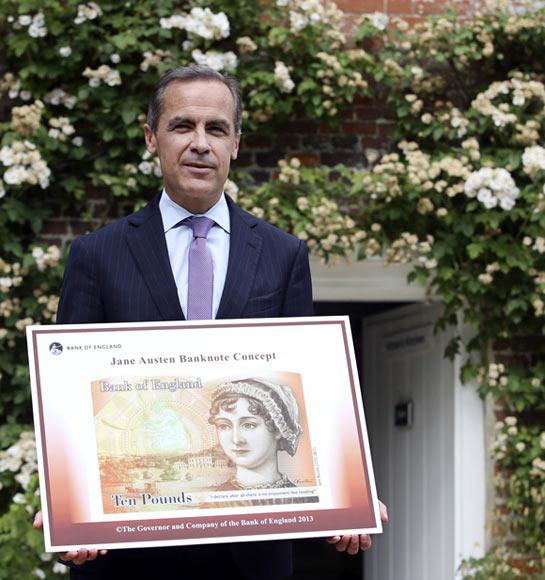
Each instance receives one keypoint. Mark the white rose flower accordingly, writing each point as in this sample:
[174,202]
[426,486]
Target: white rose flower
[533,159]
[65,51]
[492,187]
[59,568]
[282,77]
[215,60]
[379,20]
[145,167]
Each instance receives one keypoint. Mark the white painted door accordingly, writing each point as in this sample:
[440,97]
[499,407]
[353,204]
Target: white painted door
[416,467]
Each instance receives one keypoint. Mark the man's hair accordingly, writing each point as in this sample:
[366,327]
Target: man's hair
[187,74]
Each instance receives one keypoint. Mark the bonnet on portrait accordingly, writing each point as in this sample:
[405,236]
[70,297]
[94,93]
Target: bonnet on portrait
[278,401]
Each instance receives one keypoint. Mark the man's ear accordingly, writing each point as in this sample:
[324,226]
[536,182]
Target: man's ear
[234,153]
[151,143]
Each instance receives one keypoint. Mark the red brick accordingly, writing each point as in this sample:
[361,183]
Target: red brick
[519,360]
[53,241]
[412,21]
[363,100]
[501,344]
[371,113]
[287,141]
[97,193]
[385,129]
[344,158]
[501,510]
[243,160]
[359,128]
[361,6]
[400,7]
[307,159]
[257,141]
[305,127]
[434,7]
[347,114]
[501,414]
[56,227]
[80,227]
[325,129]
[374,142]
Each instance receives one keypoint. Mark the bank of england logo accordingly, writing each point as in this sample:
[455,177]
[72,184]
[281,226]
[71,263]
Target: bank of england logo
[55,348]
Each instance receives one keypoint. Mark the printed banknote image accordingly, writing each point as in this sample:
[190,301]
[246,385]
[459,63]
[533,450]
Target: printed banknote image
[173,442]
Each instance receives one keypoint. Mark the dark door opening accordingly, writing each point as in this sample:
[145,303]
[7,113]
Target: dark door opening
[315,559]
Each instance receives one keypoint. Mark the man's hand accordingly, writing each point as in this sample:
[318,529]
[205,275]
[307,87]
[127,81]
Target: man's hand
[352,544]
[77,556]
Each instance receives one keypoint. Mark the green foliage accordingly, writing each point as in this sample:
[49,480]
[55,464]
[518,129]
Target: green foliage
[29,289]
[497,564]
[22,547]
[519,451]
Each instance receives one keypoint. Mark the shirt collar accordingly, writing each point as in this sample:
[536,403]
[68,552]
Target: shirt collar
[172,213]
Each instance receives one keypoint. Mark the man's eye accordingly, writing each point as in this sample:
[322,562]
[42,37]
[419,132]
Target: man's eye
[217,130]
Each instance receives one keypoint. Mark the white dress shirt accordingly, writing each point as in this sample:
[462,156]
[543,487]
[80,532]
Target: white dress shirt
[178,241]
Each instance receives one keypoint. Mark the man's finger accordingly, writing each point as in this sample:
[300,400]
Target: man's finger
[365,541]
[82,555]
[353,545]
[333,539]
[383,512]
[79,556]
[38,523]
[342,544]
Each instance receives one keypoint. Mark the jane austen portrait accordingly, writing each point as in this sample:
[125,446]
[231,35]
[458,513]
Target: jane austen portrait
[255,420]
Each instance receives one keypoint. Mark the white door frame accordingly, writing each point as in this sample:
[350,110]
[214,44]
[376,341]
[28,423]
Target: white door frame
[372,281]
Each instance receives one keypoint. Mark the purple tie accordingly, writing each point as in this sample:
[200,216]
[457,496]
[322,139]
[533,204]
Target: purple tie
[201,271]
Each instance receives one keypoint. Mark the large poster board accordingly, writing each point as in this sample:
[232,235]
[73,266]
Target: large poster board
[174,433]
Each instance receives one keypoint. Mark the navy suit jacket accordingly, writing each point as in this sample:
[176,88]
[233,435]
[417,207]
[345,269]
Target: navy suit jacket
[122,273]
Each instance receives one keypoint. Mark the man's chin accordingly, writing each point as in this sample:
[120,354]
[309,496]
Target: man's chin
[194,198]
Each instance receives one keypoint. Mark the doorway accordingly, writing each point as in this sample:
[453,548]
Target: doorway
[314,559]
[426,433]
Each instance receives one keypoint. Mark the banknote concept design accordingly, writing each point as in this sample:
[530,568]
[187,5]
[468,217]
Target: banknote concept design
[171,442]
[152,434]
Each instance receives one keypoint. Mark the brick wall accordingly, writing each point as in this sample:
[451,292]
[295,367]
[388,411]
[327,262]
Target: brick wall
[363,131]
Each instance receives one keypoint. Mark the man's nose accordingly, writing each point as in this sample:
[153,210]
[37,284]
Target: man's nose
[199,142]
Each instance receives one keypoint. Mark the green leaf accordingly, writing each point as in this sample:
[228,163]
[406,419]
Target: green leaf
[128,114]
[474,250]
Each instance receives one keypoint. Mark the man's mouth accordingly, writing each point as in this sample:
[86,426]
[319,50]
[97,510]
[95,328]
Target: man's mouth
[197,165]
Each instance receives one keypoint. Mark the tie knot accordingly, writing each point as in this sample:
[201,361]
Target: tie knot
[200,225]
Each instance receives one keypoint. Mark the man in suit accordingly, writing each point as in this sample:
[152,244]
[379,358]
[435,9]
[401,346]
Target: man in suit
[138,269]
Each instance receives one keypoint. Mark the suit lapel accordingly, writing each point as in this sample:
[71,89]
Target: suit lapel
[148,246]
[244,251]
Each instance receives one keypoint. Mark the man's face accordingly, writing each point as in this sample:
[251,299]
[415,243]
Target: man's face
[195,142]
